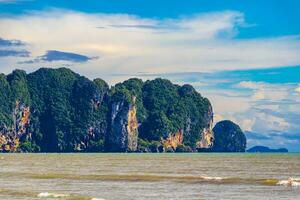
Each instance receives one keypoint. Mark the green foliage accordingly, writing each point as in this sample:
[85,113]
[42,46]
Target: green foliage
[96,146]
[156,127]
[5,108]
[159,95]
[19,88]
[28,146]
[69,112]
[228,137]
[172,108]
[65,106]
[51,91]
[151,146]
[134,87]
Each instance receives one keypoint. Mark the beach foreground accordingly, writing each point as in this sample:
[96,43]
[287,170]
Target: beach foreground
[150,176]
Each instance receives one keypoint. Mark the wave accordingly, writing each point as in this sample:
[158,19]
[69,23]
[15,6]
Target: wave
[197,179]
[71,196]
[58,195]
[213,178]
[45,195]
[97,199]
[52,195]
[294,182]
[18,193]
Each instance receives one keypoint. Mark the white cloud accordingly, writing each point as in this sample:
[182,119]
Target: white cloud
[130,44]
[247,124]
[298,88]
[258,95]
[250,85]
[266,91]
[262,107]
[266,122]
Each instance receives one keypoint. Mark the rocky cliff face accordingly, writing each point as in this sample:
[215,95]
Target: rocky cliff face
[123,133]
[21,116]
[171,143]
[66,112]
[207,134]
[10,137]
[132,126]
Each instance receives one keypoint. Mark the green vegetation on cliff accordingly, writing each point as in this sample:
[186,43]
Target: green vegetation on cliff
[228,137]
[57,110]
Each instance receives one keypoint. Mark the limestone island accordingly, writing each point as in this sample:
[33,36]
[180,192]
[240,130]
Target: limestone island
[57,110]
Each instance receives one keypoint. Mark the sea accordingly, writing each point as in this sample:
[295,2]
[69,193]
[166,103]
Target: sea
[130,176]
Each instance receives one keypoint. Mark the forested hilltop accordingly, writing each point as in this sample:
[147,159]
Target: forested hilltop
[57,110]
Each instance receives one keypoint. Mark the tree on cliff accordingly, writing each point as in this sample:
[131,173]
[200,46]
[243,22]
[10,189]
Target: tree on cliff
[228,137]
[69,112]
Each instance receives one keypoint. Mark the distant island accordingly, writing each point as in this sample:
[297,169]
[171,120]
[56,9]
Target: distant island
[263,149]
[57,110]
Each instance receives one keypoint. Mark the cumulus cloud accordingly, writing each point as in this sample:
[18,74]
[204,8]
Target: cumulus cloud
[130,44]
[266,91]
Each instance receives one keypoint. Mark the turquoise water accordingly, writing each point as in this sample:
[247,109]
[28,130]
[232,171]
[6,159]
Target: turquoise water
[150,176]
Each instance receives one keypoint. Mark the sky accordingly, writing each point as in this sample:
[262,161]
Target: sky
[242,55]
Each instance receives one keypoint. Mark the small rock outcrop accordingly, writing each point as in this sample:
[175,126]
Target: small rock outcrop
[263,149]
[228,137]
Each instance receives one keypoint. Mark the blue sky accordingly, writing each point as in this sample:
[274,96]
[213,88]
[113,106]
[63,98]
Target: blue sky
[243,55]
[272,18]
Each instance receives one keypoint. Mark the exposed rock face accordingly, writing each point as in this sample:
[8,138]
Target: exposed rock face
[132,127]
[69,112]
[124,126]
[207,138]
[10,137]
[228,137]
[207,134]
[21,118]
[173,141]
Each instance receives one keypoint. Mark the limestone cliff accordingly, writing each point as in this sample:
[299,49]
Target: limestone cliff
[10,137]
[123,134]
[68,112]
[21,118]
[207,134]
[173,141]
[132,127]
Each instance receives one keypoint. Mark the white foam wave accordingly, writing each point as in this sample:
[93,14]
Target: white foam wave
[212,178]
[53,195]
[97,199]
[294,182]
